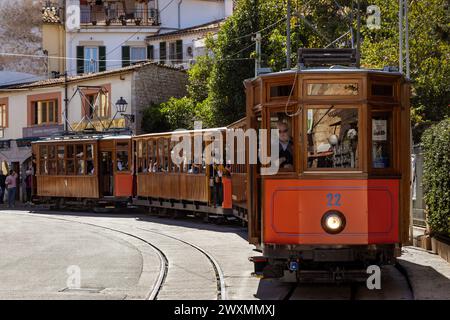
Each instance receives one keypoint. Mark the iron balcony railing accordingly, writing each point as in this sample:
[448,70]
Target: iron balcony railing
[102,16]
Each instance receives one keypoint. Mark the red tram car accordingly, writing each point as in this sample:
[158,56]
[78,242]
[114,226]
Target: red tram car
[342,203]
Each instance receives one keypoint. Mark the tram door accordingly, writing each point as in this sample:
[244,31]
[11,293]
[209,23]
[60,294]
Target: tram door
[106,173]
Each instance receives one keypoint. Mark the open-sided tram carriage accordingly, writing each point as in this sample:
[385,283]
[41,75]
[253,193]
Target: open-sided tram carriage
[91,171]
[342,202]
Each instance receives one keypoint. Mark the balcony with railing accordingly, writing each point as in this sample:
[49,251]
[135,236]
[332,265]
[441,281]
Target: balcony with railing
[99,15]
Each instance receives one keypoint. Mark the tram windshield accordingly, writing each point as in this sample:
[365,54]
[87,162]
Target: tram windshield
[332,137]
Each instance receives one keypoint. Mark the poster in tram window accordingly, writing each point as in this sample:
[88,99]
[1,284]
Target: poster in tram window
[379,130]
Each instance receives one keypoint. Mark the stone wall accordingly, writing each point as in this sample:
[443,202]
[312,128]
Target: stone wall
[155,84]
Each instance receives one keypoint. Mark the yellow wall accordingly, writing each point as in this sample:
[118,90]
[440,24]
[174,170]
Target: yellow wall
[53,40]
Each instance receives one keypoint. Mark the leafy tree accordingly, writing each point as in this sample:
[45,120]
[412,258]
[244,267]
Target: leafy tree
[429,54]
[436,178]
[234,50]
[179,113]
[153,120]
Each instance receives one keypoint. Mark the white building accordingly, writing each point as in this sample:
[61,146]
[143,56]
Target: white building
[37,110]
[107,34]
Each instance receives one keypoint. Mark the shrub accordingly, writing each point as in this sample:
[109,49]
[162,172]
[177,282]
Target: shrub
[436,176]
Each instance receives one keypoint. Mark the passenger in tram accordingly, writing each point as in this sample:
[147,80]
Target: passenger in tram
[119,165]
[286,154]
[218,171]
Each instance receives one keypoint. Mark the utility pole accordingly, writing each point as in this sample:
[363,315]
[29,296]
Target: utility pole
[407,39]
[400,36]
[288,36]
[66,103]
[257,40]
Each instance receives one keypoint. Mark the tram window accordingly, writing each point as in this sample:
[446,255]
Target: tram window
[383,90]
[43,152]
[61,163]
[332,137]
[332,89]
[71,167]
[61,152]
[151,155]
[283,123]
[80,167]
[79,151]
[144,157]
[90,167]
[52,167]
[43,166]
[90,151]
[280,91]
[122,160]
[381,140]
[51,152]
[70,151]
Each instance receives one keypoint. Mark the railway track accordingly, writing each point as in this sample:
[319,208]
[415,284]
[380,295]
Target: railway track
[395,286]
[164,260]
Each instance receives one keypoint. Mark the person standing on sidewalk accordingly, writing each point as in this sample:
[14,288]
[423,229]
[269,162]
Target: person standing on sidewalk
[28,185]
[2,186]
[11,184]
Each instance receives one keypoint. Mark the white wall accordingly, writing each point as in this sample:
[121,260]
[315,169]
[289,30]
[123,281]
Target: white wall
[113,41]
[193,12]
[17,102]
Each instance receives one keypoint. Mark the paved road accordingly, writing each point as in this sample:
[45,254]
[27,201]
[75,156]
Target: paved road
[36,252]
[36,249]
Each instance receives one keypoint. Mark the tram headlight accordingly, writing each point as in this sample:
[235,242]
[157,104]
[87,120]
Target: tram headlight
[333,222]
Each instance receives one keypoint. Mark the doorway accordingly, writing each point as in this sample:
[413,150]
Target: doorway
[106,174]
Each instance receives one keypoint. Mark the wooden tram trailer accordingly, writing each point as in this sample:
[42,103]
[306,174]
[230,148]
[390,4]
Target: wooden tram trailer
[161,184]
[92,171]
[327,214]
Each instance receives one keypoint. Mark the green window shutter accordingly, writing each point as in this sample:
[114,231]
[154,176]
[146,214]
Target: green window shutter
[80,59]
[179,51]
[150,53]
[125,56]
[162,51]
[102,58]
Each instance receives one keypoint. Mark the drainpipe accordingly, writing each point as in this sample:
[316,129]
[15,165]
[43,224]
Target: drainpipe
[66,104]
[179,13]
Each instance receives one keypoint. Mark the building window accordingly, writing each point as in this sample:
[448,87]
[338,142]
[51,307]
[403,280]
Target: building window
[90,59]
[45,112]
[138,54]
[176,51]
[172,51]
[3,116]
[97,104]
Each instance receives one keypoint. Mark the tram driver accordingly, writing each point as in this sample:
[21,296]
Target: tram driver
[286,153]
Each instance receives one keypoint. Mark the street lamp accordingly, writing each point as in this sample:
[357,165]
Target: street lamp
[121,106]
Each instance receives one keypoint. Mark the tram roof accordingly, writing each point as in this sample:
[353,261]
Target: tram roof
[68,138]
[179,132]
[329,70]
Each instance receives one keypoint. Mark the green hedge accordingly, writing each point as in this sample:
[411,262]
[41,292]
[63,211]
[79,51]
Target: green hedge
[436,176]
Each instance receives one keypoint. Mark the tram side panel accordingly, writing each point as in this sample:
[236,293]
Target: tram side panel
[54,180]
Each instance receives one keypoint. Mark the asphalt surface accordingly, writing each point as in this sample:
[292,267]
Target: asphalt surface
[119,257]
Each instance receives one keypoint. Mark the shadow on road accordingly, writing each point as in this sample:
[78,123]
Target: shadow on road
[186,222]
